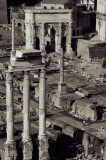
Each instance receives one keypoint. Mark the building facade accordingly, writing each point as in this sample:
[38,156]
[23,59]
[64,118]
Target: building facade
[101,19]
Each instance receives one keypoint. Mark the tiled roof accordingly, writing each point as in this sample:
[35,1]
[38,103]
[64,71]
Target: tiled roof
[55,1]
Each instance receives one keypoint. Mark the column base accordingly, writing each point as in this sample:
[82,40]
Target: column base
[27,150]
[10,152]
[43,148]
[62,88]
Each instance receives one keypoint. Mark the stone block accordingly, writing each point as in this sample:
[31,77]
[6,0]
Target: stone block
[84,109]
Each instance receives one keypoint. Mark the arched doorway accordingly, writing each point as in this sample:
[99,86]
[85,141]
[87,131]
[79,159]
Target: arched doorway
[37,43]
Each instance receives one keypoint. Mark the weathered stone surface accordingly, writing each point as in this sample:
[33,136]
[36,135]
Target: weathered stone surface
[10,151]
[43,148]
[84,109]
[27,150]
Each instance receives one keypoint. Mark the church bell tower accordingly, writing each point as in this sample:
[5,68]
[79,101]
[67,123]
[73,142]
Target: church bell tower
[101,19]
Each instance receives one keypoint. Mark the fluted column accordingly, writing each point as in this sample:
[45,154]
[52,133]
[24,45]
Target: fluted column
[43,140]
[27,143]
[10,153]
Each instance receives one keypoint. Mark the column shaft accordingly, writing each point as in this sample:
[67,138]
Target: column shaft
[43,140]
[10,146]
[60,36]
[43,36]
[9,103]
[13,35]
[27,142]
[69,38]
[42,109]
[26,112]
[29,29]
[61,69]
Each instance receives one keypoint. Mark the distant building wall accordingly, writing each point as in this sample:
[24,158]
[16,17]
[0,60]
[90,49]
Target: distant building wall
[3,12]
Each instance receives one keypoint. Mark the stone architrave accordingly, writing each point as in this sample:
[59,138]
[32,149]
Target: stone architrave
[10,146]
[43,140]
[27,143]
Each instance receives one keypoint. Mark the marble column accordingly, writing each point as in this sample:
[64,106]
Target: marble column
[56,42]
[61,84]
[60,36]
[27,143]
[43,37]
[13,35]
[10,146]
[12,57]
[43,140]
[69,38]
[85,143]
[61,68]
[29,35]
[29,29]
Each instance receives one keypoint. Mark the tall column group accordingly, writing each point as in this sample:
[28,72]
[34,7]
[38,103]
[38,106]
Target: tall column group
[10,145]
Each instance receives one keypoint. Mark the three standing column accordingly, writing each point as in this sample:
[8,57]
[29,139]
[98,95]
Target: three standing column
[27,143]
[10,146]
[43,140]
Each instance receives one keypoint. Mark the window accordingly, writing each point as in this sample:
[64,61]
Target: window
[45,7]
[52,7]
